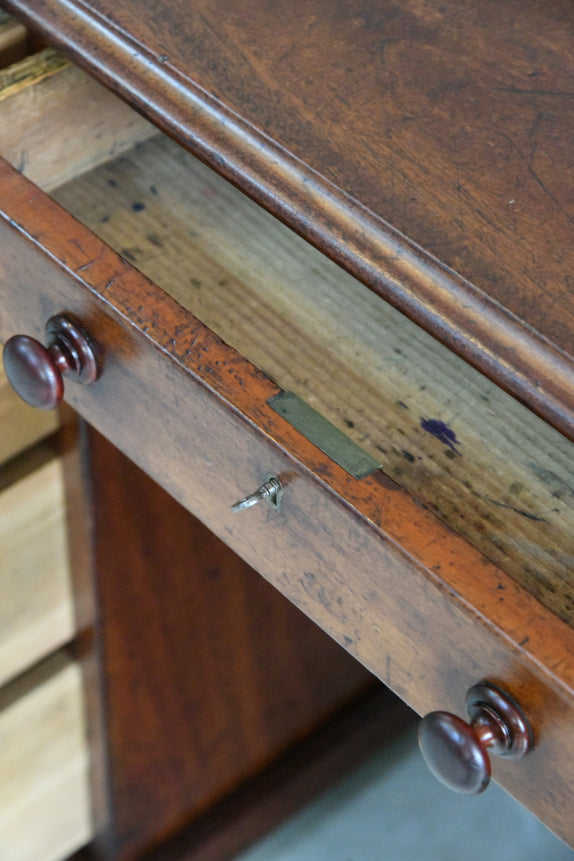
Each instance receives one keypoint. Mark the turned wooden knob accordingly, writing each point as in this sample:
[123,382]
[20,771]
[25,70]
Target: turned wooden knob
[36,372]
[457,753]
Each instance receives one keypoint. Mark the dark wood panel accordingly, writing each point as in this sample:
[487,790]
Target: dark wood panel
[306,769]
[309,768]
[208,673]
[363,123]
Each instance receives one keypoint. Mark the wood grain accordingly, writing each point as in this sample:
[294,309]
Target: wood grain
[423,610]
[44,805]
[36,615]
[307,769]
[505,483]
[363,124]
[44,100]
[209,675]
[317,331]
[20,425]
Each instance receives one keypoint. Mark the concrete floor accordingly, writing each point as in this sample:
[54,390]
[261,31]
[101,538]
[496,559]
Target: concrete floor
[391,809]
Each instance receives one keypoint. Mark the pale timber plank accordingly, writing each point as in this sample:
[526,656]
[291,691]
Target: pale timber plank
[56,122]
[44,804]
[36,611]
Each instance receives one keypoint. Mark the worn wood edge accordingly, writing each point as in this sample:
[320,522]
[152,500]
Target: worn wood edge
[531,632]
[455,311]
[477,623]
[88,266]
[88,645]
[233,693]
[366,367]
[30,71]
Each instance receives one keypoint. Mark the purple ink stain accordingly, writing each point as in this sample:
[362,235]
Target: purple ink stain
[441,432]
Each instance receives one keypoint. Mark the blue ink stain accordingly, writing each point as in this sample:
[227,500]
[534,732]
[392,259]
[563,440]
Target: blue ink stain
[441,432]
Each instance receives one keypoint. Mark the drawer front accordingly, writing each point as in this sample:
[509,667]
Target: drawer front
[416,604]
[36,613]
[44,806]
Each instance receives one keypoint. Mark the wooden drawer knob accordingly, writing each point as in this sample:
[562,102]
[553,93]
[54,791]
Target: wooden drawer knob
[457,753]
[36,372]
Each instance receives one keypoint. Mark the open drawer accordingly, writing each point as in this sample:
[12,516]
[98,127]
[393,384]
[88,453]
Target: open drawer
[449,565]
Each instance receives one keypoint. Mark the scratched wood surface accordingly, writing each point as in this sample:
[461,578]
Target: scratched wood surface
[488,467]
[226,676]
[447,615]
[364,123]
[412,600]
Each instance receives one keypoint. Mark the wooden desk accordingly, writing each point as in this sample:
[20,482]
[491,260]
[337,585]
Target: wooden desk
[358,126]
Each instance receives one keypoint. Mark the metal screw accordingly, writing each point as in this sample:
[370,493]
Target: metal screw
[271,490]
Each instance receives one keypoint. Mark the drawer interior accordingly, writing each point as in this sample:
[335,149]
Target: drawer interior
[488,467]
[57,122]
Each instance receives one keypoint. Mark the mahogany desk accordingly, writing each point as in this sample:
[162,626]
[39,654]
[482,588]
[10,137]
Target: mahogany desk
[426,148]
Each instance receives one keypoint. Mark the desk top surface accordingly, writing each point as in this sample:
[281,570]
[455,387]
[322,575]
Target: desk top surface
[426,145]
